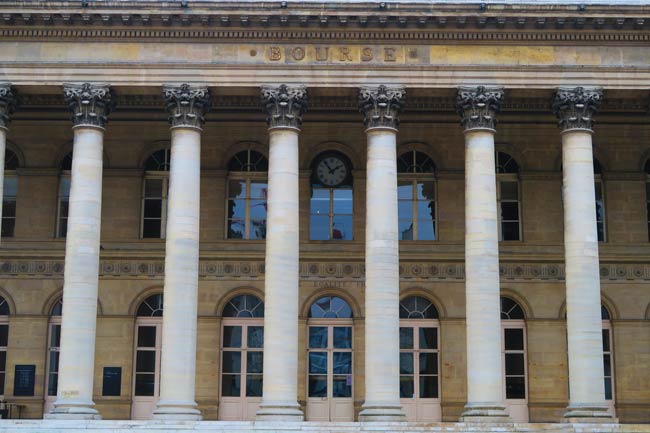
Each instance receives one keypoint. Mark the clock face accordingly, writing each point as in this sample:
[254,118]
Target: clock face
[331,171]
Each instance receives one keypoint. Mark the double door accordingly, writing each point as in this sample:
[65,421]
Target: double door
[146,374]
[330,371]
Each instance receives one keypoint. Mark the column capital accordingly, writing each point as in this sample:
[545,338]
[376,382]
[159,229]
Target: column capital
[7,104]
[186,105]
[478,106]
[381,105]
[575,107]
[90,103]
[284,105]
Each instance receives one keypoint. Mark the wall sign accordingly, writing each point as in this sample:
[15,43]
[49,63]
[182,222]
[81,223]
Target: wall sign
[24,376]
[112,382]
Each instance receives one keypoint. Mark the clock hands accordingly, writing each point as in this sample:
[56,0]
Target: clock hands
[332,170]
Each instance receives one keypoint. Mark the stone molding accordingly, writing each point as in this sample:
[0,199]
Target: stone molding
[320,271]
[284,105]
[7,104]
[478,106]
[576,106]
[186,105]
[381,105]
[89,103]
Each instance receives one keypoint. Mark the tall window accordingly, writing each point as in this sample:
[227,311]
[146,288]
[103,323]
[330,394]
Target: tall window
[9,194]
[64,196]
[600,201]
[247,193]
[608,355]
[513,349]
[4,341]
[53,347]
[331,205]
[416,194]
[647,194]
[154,195]
[508,197]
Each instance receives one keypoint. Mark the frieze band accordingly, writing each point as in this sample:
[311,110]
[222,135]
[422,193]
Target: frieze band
[284,105]
[186,105]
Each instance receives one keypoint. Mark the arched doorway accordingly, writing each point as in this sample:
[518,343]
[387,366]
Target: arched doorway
[419,359]
[53,351]
[515,364]
[330,361]
[146,362]
[242,356]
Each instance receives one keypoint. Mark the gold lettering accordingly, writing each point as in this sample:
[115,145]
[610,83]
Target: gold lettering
[275,54]
[298,53]
[344,54]
[366,54]
[389,54]
[322,53]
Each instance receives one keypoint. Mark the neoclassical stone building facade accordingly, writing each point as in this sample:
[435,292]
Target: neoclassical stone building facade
[327,212]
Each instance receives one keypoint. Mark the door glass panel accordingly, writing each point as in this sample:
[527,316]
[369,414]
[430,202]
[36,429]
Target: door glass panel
[342,337]
[231,362]
[515,364]
[254,385]
[144,384]
[317,386]
[255,337]
[317,362]
[342,363]
[608,388]
[607,364]
[55,338]
[342,386]
[146,336]
[406,387]
[230,385]
[428,338]
[428,386]
[145,361]
[406,338]
[428,363]
[4,335]
[406,363]
[513,339]
[232,336]
[317,337]
[515,387]
[254,362]
[605,340]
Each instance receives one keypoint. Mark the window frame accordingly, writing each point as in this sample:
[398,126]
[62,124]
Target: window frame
[54,321]
[248,177]
[61,198]
[331,214]
[415,179]
[600,184]
[150,175]
[4,321]
[508,178]
[9,174]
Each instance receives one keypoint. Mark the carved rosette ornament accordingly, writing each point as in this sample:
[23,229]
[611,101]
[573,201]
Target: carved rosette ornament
[90,103]
[284,105]
[7,104]
[575,107]
[186,105]
[478,106]
[381,106]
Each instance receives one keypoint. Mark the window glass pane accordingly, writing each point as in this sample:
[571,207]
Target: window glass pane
[598,189]
[515,387]
[510,231]
[426,210]
[405,190]
[317,362]
[145,361]
[320,205]
[318,386]
[509,191]
[605,340]
[427,231]
[151,228]
[406,231]
[152,208]
[406,387]
[405,338]
[237,208]
[319,229]
[342,386]
[232,336]
[55,337]
[236,229]
[607,363]
[153,188]
[428,386]
[54,362]
[259,189]
[146,336]
[405,209]
[317,337]
[2,383]
[428,338]
[258,209]
[254,385]
[64,186]
[343,201]
[601,231]
[10,186]
[342,362]
[405,363]
[255,336]
[8,208]
[608,388]
[4,335]
[342,227]
[254,362]
[230,385]
[509,211]
[258,229]
[144,384]
[231,362]
[428,363]
[342,337]
[515,364]
[237,189]
[8,227]
[3,360]
[513,339]
[342,309]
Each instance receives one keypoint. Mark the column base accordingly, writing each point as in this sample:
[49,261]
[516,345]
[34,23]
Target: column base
[279,411]
[381,412]
[81,410]
[177,411]
[485,412]
[588,413]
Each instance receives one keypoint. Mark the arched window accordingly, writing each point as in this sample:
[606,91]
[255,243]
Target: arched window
[608,357]
[331,205]
[53,353]
[154,194]
[329,360]
[600,201]
[513,349]
[247,192]
[416,195]
[4,341]
[419,359]
[508,197]
[64,196]
[242,356]
[9,194]
[146,371]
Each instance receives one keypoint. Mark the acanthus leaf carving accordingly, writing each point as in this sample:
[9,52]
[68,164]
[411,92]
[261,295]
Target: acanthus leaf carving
[284,105]
[90,104]
[381,105]
[576,106]
[7,104]
[186,105]
[478,106]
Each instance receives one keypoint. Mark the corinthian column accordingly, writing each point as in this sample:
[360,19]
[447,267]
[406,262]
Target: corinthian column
[380,107]
[478,107]
[575,107]
[284,106]
[7,106]
[186,106]
[90,105]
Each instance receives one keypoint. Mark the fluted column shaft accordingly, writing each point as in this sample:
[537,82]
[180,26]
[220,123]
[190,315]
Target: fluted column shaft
[284,106]
[381,106]
[186,106]
[575,107]
[478,107]
[90,104]
[7,105]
